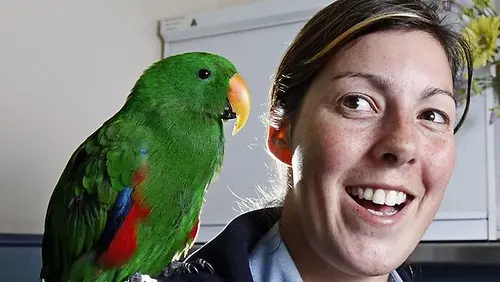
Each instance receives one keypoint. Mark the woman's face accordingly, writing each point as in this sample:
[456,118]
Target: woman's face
[373,150]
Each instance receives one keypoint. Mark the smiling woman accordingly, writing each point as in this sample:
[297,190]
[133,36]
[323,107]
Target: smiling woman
[362,120]
[376,135]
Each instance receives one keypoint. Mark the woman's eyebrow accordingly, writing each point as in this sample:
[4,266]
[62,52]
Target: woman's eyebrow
[431,91]
[384,85]
[376,81]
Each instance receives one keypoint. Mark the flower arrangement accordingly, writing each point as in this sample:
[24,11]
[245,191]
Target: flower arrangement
[482,30]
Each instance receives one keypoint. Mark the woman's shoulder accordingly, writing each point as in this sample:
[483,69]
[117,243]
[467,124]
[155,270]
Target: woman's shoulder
[225,257]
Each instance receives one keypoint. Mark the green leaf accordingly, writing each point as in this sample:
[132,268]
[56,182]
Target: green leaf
[482,4]
[469,12]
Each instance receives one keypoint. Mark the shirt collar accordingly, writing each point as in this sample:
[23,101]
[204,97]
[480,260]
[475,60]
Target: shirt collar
[271,261]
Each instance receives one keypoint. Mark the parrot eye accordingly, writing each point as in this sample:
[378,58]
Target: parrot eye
[204,73]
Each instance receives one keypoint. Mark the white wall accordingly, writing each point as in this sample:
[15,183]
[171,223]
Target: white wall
[61,60]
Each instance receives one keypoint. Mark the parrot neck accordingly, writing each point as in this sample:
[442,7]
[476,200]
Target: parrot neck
[166,119]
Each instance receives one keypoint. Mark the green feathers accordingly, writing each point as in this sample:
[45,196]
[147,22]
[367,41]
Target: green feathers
[130,195]
[112,161]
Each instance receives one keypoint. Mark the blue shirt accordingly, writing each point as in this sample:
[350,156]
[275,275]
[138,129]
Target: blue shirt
[270,260]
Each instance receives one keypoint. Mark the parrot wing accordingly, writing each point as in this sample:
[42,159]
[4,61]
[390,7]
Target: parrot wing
[93,199]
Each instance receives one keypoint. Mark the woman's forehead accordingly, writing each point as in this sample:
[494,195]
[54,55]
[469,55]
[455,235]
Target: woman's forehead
[405,56]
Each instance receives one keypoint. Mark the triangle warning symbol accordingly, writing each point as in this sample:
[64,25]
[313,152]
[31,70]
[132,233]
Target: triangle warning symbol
[193,22]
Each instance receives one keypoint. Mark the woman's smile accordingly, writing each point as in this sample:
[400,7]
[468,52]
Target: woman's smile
[378,205]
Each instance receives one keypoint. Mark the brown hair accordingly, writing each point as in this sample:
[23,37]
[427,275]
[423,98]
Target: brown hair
[346,20]
[332,28]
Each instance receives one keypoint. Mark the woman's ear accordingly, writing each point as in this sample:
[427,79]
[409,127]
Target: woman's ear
[279,143]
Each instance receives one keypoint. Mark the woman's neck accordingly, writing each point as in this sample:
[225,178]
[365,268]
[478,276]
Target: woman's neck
[309,264]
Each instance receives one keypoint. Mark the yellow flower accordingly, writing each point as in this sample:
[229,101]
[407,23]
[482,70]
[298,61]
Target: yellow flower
[482,33]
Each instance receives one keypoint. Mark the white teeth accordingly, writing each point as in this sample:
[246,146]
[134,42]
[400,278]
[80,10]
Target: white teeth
[388,213]
[379,196]
[401,197]
[390,198]
[368,195]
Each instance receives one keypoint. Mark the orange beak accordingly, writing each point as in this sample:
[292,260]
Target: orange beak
[239,98]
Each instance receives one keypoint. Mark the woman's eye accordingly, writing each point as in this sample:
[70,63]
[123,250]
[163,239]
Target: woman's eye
[434,116]
[357,103]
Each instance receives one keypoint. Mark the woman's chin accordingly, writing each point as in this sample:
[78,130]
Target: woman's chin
[364,246]
[369,258]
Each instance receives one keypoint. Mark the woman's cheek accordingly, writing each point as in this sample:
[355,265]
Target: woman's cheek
[339,146]
[439,162]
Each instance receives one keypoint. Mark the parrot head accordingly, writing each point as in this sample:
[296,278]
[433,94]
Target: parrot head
[200,84]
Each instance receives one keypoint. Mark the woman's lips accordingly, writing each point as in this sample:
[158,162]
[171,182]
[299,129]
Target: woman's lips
[378,207]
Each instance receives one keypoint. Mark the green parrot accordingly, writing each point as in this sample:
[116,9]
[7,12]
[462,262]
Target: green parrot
[130,197]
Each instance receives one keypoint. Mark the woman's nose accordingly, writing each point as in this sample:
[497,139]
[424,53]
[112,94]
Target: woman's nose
[396,144]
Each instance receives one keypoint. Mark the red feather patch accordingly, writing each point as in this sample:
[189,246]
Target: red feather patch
[124,243]
[138,177]
[123,246]
[194,232]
